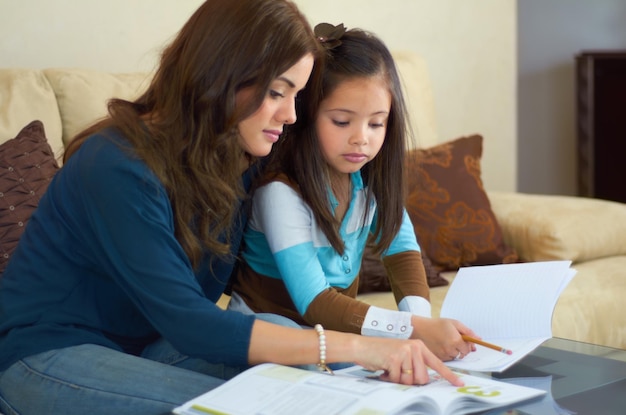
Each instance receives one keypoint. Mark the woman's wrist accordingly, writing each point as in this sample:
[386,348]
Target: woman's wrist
[341,347]
[322,347]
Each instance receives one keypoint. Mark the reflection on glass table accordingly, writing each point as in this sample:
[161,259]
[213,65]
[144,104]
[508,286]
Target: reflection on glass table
[579,378]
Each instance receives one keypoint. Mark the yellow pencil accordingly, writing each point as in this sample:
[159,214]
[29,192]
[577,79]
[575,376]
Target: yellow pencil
[485,344]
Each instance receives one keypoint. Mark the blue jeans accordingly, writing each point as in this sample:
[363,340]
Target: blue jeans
[90,379]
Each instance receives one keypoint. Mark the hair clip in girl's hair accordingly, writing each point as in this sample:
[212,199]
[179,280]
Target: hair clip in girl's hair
[329,35]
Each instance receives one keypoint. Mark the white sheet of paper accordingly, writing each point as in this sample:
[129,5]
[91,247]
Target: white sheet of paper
[510,305]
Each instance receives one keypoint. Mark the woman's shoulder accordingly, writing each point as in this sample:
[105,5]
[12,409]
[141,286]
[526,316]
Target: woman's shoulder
[107,148]
[107,143]
[107,157]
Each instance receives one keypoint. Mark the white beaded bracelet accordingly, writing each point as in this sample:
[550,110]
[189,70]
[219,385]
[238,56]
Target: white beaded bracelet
[322,338]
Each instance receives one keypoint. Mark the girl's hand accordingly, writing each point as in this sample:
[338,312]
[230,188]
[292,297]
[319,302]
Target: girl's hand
[443,337]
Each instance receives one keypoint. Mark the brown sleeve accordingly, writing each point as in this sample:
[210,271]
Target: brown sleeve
[407,275]
[337,309]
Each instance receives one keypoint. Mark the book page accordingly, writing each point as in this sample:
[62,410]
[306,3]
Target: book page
[510,305]
[271,389]
[282,390]
[478,393]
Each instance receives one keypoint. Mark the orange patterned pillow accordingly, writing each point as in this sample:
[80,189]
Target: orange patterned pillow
[449,208]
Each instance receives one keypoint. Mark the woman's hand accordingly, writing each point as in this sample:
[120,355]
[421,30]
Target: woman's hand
[443,336]
[403,361]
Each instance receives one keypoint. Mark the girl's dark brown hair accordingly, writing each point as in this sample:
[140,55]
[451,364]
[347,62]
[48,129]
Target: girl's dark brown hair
[359,55]
[184,127]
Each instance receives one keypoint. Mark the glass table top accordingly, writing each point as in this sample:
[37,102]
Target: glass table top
[579,378]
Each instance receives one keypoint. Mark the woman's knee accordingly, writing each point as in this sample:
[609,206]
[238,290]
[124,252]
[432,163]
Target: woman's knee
[62,381]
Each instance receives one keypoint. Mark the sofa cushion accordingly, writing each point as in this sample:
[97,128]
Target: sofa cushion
[591,308]
[26,95]
[449,207]
[563,227]
[83,94]
[27,165]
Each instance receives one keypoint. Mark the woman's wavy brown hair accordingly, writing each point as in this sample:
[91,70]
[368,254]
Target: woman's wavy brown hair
[360,54]
[184,127]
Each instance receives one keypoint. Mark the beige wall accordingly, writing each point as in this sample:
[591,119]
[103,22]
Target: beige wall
[469,46]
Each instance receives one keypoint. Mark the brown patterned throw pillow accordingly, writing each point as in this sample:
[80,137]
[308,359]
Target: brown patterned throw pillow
[449,207]
[27,165]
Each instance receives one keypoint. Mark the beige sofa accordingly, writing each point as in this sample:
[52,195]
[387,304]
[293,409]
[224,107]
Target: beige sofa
[591,233]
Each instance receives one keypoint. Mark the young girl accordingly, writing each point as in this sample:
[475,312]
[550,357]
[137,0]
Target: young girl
[108,303]
[333,182]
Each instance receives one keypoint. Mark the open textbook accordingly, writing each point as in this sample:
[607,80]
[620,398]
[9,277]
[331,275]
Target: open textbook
[509,305]
[271,389]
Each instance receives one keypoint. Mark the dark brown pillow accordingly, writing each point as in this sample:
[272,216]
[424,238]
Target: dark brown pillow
[449,207]
[373,276]
[27,165]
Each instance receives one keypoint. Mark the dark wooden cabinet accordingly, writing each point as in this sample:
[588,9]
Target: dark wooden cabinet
[601,124]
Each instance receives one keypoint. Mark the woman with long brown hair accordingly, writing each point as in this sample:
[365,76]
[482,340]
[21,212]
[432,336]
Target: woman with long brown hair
[108,304]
